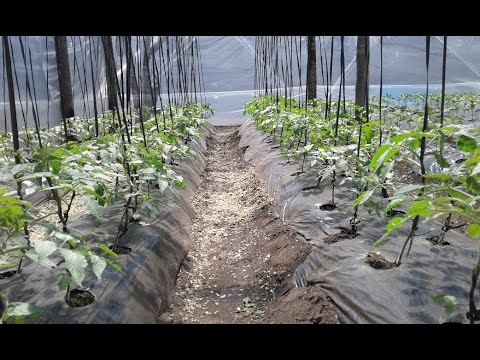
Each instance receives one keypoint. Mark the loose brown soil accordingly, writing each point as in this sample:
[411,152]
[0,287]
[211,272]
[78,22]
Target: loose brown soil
[80,298]
[240,266]
[121,250]
[405,172]
[378,262]
[304,305]
[7,274]
[456,221]
[435,240]
[344,234]
[327,207]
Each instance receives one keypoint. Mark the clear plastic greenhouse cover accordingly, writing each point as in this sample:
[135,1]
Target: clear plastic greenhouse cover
[228,71]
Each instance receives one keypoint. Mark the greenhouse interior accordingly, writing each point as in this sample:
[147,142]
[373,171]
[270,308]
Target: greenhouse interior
[239,179]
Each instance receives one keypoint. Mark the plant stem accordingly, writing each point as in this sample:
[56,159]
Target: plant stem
[384,190]
[59,204]
[123,226]
[409,239]
[19,248]
[445,227]
[25,227]
[422,164]
[473,309]
[299,140]
[65,213]
[67,296]
[333,188]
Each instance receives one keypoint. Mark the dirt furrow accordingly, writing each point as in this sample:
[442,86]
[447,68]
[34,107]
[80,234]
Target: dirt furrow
[242,258]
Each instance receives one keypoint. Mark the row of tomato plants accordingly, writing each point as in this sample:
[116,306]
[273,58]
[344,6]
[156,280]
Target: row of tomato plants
[340,141]
[105,162]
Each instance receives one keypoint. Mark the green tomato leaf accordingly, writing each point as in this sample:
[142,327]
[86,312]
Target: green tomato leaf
[416,134]
[66,187]
[374,163]
[82,250]
[448,128]
[414,145]
[22,309]
[395,223]
[308,148]
[55,166]
[99,264]
[472,184]
[419,207]
[407,189]
[456,194]
[364,196]
[39,167]
[466,143]
[474,230]
[73,243]
[20,240]
[447,301]
[37,175]
[107,251]
[7,265]
[93,193]
[63,283]
[476,169]
[441,161]
[40,252]
[19,168]
[115,266]
[162,184]
[64,236]
[394,203]
[391,153]
[76,264]
[439,177]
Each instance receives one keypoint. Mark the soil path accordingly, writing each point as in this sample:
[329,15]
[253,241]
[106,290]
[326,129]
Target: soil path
[239,267]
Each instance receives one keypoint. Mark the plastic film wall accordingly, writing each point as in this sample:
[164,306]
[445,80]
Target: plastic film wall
[227,70]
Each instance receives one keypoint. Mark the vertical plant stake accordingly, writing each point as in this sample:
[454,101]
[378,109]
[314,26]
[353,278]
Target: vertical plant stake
[415,221]
[13,121]
[361,105]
